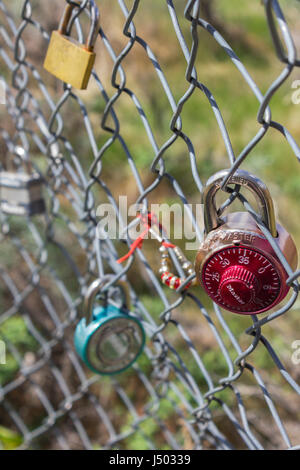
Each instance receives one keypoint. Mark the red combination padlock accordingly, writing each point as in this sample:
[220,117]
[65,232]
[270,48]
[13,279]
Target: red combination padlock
[236,264]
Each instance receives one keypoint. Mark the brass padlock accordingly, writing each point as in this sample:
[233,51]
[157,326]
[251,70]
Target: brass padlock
[21,193]
[69,60]
[236,264]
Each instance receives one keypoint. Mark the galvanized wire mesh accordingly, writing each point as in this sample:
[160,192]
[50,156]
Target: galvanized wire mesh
[52,401]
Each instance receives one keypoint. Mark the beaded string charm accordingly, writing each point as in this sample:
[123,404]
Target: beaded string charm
[169,279]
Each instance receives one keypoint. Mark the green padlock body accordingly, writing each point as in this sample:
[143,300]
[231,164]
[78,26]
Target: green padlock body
[69,60]
[101,317]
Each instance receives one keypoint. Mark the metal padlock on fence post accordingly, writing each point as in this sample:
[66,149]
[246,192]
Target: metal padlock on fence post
[236,264]
[21,193]
[69,60]
[109,339]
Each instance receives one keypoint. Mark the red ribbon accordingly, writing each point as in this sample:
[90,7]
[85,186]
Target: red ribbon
[138,243]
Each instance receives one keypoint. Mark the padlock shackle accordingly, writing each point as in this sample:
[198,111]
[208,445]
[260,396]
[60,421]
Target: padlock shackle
[96,287]
[95,19]
[242,178]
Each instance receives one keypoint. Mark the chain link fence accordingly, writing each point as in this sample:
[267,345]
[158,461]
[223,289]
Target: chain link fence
[200,383]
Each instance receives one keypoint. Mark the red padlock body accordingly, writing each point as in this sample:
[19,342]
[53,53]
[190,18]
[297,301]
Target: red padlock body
[239,269]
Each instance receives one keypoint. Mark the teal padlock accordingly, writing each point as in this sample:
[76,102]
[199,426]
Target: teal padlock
[109,339]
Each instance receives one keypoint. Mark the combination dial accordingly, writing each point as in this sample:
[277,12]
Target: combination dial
[242,280]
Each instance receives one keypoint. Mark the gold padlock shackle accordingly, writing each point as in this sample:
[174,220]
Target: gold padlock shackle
[243,178]
[96,287]
[95,19]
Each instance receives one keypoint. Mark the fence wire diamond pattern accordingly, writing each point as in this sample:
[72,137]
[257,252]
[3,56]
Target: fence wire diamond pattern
[57,255]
